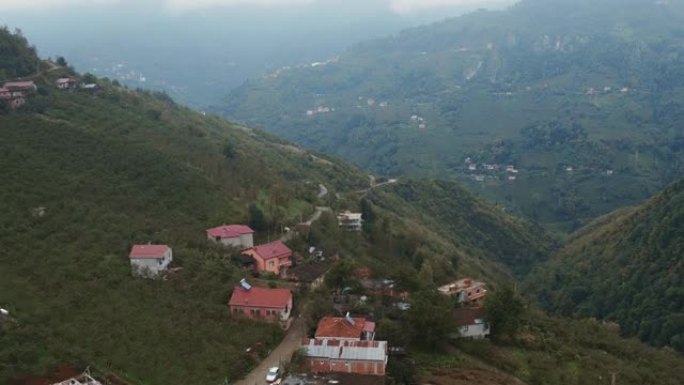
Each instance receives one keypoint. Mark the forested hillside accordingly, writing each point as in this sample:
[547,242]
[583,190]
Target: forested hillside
[625,267]
[580,97]
[88,173]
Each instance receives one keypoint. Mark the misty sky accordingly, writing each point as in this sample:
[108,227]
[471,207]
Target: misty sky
[398,6]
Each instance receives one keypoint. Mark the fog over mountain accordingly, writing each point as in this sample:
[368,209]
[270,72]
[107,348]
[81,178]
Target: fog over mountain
[199,50]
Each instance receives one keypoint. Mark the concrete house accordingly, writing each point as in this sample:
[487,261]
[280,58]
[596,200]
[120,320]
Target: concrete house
[471,323]
[82,379]
[67,83]
[466,291]
[272,257]
[345,328]
[339,356]
[271,305]
[312,274]
[350,221]
[150,260]
[21,86]
[240,236]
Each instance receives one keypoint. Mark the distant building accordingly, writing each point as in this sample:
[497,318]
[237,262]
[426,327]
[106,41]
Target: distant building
[354,357]
[240,236]
[272,305]
[21,86]
[5,93]
[471,322]
[466,291]
[345,328]
[150,260]
[272,257]
[67,83]
[472,167]
[350,221]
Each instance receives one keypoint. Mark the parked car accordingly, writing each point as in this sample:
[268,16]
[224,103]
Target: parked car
[273,374]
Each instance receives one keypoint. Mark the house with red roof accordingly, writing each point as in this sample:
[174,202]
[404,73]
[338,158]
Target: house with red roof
[259,303]
[240,236]
[150,260]
[471,322]
[21,86]
[345,328]
[272,257]
[467,291]
[340,356]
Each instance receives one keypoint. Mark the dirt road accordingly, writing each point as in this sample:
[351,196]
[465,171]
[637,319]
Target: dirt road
[279,356]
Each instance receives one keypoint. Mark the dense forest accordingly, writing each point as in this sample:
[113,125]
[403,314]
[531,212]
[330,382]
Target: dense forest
[626,267]
[581,97]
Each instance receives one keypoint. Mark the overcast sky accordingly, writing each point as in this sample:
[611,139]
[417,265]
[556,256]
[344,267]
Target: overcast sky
[399,6]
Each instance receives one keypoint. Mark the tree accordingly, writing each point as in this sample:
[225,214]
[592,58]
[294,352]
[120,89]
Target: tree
[430,318]
[89,78]
[257,219]
[504,311]
[61,61]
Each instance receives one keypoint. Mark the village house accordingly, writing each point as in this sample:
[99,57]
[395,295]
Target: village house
[67,83]
[466,291]
[5,93]
[339,356]
[345,328]
[350,221]
[240,236]
[20,87]
[312,274]
[471,322]
[272,305]
[150,260]
[272,257]
[383,287]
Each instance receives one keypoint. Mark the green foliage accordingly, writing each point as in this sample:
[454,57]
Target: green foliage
[504,311]
[17,58]
[430,319]
[624,267]
[505,87]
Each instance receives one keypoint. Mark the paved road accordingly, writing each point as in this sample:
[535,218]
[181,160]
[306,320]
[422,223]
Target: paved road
[280,355]
[323,191]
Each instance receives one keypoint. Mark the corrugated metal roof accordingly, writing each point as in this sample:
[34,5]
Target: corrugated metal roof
[346,350]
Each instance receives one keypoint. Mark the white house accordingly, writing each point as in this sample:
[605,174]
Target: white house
[240,236]
[150,260]
[350,221]
[471,323]
[83,379]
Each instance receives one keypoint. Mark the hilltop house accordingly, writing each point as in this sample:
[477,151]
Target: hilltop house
[272,305]
[232,235]
[350,221]
[344,356]
[471,322]
[466,291]
[67,83]
[150,260]
[5,93]
[345,328]
[272,257]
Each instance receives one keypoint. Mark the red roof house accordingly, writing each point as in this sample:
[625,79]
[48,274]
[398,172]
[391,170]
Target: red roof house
[345,328]
[21,85]
[261,303]
[232,235]
[150,260]
[5,93]
[271,257]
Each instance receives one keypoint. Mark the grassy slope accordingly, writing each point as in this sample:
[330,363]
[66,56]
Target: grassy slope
[625,267]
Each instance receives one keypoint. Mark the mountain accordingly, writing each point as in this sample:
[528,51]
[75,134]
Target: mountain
[581,97]
[625,267]
[88,173]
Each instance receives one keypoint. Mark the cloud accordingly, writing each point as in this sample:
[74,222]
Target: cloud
[180,5]
[40,5]
[406,6]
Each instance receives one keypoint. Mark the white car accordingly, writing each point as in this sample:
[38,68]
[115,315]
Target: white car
[272,374]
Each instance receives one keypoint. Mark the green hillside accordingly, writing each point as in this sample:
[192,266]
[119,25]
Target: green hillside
[86,174]
[582,97]
[625,267]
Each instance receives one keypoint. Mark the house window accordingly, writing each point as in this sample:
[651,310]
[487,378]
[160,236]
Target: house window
[161,261]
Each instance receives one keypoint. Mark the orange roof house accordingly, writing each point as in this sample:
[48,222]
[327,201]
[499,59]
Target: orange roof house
[271,257]
[345,328]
